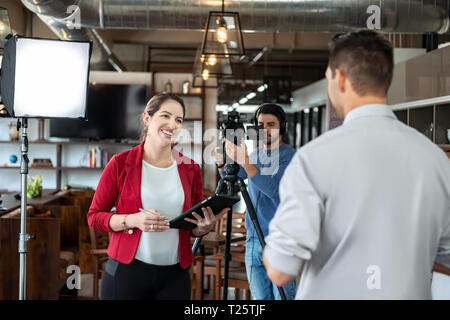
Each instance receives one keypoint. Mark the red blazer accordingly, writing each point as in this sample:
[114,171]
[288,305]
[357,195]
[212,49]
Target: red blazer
[120,186]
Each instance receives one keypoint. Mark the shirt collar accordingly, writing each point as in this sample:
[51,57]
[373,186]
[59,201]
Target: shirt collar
[370,110]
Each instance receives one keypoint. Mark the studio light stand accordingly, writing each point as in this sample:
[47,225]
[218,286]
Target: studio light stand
[23,236]
[230,179]
[31,87]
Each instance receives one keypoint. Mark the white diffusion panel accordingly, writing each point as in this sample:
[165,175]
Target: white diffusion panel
[51,78]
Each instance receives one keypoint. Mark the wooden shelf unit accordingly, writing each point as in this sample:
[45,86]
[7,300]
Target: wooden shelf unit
[59,168]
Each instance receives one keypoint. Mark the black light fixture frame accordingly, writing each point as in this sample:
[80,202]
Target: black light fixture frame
[200,65]
[223,12]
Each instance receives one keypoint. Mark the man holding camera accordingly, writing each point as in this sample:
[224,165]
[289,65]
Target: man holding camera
[366,205]
[263,168]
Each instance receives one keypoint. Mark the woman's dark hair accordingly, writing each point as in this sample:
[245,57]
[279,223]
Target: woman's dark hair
[366,58]
[155,103]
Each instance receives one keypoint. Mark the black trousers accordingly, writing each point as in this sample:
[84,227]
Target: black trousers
[139,280]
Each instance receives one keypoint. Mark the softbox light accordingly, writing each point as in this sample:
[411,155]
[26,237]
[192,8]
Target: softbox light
[45,78]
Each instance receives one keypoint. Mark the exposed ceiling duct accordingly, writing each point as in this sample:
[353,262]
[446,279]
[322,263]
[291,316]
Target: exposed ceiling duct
[397,16]
[54,14]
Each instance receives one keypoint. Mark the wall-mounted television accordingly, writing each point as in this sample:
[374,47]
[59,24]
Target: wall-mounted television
[113,112]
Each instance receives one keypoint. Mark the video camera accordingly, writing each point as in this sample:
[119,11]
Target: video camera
[233,130]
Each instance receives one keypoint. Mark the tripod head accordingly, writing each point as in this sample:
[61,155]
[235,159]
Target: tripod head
[231,169]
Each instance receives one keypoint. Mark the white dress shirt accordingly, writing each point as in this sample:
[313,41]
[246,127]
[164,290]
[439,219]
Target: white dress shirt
[161,189]
[367,206]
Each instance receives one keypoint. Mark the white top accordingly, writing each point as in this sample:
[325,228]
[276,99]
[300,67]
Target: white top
[161,189]
[368,206]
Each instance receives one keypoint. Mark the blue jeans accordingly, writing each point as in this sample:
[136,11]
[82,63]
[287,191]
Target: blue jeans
[260,286]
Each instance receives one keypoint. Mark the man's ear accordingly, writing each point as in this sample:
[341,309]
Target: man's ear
[341,77]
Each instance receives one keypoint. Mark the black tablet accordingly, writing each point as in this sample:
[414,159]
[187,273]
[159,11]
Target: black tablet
[217,202]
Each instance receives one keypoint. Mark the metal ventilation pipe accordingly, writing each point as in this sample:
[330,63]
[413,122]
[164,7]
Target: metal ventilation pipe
[397,16]
[54,14]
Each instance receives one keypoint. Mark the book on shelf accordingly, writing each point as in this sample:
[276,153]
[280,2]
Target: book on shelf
[98,157]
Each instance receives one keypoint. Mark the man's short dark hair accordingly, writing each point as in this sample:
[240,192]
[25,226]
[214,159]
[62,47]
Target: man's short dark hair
[366,58]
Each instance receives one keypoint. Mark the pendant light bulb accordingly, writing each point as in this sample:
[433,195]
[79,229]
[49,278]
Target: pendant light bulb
[211,60]
[222,34]
[205,74]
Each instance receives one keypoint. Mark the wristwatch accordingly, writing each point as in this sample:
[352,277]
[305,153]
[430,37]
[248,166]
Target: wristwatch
[124,224]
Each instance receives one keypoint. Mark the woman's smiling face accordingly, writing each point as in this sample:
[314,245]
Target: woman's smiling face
[165,123]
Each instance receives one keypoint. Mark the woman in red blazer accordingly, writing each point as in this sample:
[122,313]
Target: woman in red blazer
[147,260]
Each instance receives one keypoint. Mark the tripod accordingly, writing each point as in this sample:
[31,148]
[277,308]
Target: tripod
[230,180]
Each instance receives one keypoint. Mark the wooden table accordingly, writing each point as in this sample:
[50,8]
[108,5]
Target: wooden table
[10,203]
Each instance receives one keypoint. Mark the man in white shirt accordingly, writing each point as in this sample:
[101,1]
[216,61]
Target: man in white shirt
[366,206]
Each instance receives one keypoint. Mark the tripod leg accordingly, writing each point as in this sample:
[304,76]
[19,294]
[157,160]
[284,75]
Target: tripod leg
[254,218]
[196,245]
[220,186]
[227,255]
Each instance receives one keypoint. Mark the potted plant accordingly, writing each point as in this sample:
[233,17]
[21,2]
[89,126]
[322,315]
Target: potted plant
[34,188]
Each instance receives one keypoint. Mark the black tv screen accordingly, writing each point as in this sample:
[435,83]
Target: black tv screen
[113,112]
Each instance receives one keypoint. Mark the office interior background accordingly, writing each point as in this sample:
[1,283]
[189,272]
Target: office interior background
[144,47]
